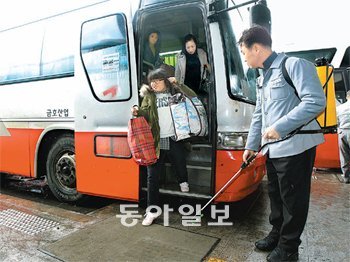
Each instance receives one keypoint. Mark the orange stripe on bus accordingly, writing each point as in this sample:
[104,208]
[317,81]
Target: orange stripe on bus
[17,152]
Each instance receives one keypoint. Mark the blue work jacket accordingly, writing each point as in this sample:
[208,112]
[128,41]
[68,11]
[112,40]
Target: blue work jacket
[278,106]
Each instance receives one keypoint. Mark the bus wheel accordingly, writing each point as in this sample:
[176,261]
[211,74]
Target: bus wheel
[60,167]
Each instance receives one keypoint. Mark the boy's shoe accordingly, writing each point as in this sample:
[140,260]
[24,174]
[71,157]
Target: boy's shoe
[184,187]
[149,217]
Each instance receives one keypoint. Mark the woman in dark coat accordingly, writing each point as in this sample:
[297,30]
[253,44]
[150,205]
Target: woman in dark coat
[191,63]
[151,49]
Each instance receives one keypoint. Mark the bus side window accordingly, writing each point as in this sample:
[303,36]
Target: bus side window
[23,63]
[58,51]
[105,57]
[340,88]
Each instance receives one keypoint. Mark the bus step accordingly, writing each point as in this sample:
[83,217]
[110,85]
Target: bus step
[181,194]
[174,189]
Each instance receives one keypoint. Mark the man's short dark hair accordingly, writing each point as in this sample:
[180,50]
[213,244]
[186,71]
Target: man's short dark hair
[255,35]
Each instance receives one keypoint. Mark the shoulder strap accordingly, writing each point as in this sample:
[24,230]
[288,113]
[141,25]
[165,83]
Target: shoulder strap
[285,72]
[290,82]
[287,77]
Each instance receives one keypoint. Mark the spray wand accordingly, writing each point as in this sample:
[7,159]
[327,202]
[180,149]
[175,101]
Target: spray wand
[247,163]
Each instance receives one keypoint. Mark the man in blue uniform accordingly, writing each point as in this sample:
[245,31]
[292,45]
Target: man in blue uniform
[281,109]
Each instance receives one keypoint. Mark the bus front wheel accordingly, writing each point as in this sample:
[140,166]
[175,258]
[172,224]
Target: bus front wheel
[60,167]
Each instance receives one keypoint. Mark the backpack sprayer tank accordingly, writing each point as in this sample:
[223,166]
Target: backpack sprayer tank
[328,118]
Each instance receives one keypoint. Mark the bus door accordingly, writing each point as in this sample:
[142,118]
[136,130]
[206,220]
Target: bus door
[173,20]
[107,89]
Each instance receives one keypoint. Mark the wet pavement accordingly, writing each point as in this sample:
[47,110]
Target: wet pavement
[30,222]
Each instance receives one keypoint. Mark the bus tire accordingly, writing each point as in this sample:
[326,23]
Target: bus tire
[60,168]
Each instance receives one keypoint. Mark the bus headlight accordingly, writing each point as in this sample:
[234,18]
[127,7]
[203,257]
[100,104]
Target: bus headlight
[231,140]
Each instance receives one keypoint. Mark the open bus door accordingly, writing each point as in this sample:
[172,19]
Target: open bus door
[107,90]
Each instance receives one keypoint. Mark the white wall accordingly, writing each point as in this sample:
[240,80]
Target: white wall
[310,24]
[16,12]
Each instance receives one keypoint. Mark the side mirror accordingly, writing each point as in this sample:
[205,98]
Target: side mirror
[260,15]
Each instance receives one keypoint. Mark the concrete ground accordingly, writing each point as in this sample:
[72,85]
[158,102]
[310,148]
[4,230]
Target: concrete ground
[29,222]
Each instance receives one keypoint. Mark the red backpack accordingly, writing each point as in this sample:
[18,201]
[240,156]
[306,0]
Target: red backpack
[141,141]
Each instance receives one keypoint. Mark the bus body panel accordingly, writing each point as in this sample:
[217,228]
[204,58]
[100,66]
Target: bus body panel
[104,174]
[228,163]
[24,113]
[40,132]
[327,154]
[14,152]
[34,141]
[232,115]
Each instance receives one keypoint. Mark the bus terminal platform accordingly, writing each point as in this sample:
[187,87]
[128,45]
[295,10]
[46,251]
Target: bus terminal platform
[34,227]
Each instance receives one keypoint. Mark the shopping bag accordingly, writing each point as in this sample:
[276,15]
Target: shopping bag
[194,120]
[141,142]
[202,114]
[204,84]
[177,104]
[189,116]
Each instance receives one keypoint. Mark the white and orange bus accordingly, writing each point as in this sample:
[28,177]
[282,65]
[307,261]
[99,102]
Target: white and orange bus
[67,83]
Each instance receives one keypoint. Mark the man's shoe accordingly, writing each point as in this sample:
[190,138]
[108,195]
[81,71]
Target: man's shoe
[346,180]
[280,255]
[268,243]
[149,217]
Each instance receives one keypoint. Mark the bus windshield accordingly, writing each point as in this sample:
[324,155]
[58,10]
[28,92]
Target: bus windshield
[241,78]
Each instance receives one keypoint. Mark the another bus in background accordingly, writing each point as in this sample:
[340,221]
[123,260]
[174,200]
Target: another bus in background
[327,155]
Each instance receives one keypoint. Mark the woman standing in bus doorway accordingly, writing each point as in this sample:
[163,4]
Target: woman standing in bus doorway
[151,58]
[191,63]
[155,109]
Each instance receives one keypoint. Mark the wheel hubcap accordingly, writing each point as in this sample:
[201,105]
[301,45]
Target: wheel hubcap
[65,170]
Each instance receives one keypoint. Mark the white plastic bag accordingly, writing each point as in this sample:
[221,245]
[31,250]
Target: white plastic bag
[201,113]
[189,116]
